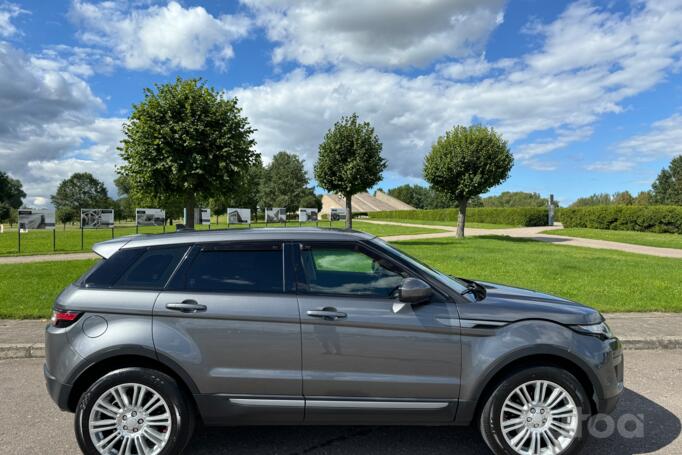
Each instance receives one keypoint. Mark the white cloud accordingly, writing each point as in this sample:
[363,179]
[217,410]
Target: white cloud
[9,11]
[159,38]
[662,141]
[398,33]
[49,124]
[537,93]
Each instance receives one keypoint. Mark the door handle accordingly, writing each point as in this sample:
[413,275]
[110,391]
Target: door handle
[186,306]
[328,314]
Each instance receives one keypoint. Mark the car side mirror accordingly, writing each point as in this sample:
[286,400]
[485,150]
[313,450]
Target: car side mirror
[412,291]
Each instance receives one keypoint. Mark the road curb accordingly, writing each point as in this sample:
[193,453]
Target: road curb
[22,351]
[37,350]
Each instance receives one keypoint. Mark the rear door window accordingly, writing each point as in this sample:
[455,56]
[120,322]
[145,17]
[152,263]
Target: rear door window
[237,268]
[108,271]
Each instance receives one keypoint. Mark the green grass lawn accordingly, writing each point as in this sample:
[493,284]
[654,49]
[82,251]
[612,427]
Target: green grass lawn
[69,240]
[448,223]
[27,291]
[604,279]
[636,238]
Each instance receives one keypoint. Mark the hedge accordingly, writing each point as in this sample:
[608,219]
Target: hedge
[650,218]
[529,216]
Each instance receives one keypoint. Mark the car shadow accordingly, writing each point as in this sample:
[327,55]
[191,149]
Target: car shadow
[659,428]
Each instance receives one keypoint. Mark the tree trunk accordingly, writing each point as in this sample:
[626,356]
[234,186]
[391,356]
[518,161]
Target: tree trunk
[349,212]
[461,217]
[190,203]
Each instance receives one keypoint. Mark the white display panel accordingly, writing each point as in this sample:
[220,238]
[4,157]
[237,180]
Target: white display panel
[150,217]
[36,219]
[97,218]
[307,214]
[275,215]
[238,216]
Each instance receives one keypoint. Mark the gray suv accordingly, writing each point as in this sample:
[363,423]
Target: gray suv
[307,326]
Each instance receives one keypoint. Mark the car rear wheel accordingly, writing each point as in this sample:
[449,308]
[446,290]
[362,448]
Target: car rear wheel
[537,411]
[133,411]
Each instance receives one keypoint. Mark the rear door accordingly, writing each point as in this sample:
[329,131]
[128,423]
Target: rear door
[362,362]
[232,323]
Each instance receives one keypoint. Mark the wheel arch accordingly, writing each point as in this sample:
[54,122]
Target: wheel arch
[125,357]
[527,358]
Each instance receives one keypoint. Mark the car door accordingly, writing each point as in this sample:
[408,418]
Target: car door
[229,320]
[363,362]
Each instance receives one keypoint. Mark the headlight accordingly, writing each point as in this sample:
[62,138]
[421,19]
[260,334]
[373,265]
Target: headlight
[600,330]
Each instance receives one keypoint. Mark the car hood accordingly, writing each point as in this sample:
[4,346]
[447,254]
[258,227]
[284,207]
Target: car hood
[509,304]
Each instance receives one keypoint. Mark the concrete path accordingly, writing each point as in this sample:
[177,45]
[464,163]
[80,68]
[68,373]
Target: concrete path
[25,338]
[532,233]
[47,258]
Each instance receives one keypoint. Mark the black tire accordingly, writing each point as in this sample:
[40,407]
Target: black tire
[182,414]
[489,420]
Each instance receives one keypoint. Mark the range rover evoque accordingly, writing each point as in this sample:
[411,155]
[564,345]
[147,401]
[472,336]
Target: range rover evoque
[316,326]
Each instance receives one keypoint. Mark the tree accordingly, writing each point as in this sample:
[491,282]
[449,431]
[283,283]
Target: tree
[644,198]
[622,198]
[186,142]
[246,195]
[349,160]
[311,200]
[421,197]
[81,190]
[467,162]
[516,199]
[667,189]
[284,182]
[11,196]
[595,199]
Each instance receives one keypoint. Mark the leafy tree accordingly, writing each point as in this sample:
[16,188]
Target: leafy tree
[667,189]
[80,191]
[310,199]
[516,199]
[421,197]
[467,162]
[11,196]
[595,199]
[246,195]
[349,160]
[644,198]
[186,142]
[284,182]
[622,198]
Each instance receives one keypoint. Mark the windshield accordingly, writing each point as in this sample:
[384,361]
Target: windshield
[450,281]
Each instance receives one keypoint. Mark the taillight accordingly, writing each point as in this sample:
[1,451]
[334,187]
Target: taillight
[61,318]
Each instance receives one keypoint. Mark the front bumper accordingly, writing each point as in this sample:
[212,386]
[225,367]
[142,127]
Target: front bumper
[610,373]
[58,391]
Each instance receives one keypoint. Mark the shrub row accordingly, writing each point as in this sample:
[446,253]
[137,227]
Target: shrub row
[651,218]
[522,216]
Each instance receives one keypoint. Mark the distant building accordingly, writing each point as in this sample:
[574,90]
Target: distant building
[364,202]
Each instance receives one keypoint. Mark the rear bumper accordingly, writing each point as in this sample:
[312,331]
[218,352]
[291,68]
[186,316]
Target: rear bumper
[58,391]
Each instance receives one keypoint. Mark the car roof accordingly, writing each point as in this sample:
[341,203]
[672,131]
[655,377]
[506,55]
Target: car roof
[109,247]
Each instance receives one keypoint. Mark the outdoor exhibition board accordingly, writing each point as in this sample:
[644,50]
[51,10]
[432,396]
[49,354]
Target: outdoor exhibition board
[36,219]
[97,218]
[202,216]
[307,214]
[238,216]
[275,215]
[150,217]
[337,214]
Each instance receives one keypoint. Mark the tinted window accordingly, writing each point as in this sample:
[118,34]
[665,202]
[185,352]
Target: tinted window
[349,271]
[152,269]
[108,271]
[234,270]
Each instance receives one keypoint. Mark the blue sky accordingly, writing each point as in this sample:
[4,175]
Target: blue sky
[588,94]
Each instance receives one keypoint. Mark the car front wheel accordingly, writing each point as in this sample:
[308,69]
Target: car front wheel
[536,411]
[133,411]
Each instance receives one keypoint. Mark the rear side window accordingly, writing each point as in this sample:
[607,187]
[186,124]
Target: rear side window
[236,270]
[152,269]
[108,271]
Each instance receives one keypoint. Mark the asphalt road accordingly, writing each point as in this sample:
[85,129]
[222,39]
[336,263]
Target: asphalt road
[31,424]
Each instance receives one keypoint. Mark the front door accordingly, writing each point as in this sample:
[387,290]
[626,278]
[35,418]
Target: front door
[363,362]
[232,326]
